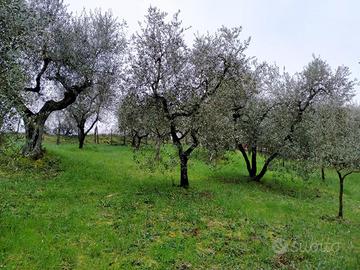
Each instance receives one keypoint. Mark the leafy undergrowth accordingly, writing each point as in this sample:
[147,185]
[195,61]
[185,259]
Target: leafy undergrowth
[12,164]
[106,209]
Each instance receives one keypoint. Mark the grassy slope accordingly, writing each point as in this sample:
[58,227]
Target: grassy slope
[103,211]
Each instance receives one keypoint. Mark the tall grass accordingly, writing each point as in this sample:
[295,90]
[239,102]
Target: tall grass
[105,207]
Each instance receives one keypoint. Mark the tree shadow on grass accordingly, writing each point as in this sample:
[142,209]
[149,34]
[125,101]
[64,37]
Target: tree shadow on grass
[288,188]
[164,189]
[294,189]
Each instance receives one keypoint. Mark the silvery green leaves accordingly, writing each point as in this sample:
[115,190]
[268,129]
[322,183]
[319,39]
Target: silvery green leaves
[60,56]
[269,109]
[178,79]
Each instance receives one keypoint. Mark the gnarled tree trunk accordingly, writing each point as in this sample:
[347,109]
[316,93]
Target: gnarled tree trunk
[35,122]
[34,130]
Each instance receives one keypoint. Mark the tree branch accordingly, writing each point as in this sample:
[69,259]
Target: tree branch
[69,97]
[194,144]
[37,88]
[93,124]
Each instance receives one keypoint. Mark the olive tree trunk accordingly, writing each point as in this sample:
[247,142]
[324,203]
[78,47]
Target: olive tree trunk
[265,167]
[34,130]
[251,165]
[341,193]
[183,154]
[82,133]
[322,173]
[58,135]
[81,137]
[133,141]
[184,180]
[342,177]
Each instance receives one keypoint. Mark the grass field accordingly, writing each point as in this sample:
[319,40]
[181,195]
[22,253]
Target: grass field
[100,208]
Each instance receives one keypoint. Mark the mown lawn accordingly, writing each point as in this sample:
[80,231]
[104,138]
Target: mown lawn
[104,209]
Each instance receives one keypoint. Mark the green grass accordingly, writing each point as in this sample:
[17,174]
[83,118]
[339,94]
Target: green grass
[102,209]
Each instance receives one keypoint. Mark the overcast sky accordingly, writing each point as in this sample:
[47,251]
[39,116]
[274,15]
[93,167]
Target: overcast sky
[285,32]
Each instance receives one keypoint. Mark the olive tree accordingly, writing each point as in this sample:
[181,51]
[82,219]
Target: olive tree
[180,79]
[88,107]
[13,16]
[61,57]
[253,115]
[333,133]
[283,107]
[132,118]
[60,124]
[141,118]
